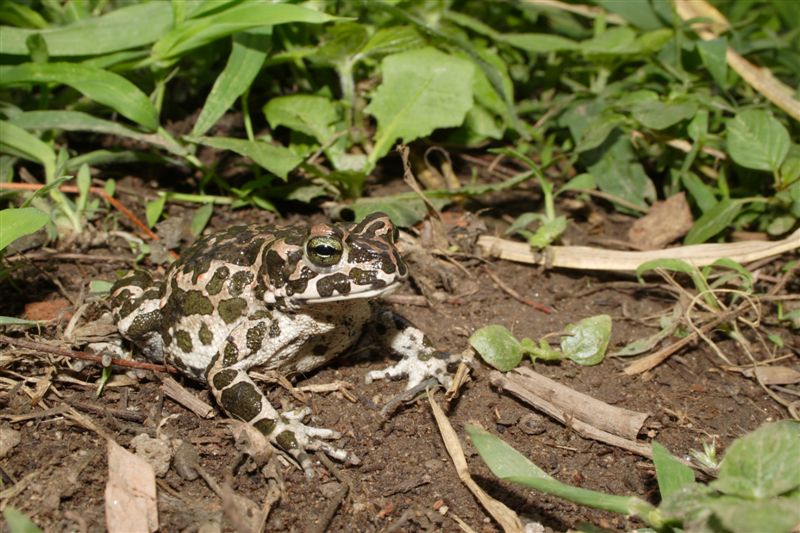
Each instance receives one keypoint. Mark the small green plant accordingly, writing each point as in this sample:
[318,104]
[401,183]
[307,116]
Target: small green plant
[18,522]
[584,342]
[757,489]
[629,100]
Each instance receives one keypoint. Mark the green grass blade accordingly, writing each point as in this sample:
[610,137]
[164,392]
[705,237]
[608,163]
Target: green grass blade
[121,29]
[16,141]
[276,159]
[200,31]
[102,86]
[505,460]
[508,464]
[79,121]
[247,57]
[16,223]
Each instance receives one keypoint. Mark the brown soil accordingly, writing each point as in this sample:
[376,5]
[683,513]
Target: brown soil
[406,481]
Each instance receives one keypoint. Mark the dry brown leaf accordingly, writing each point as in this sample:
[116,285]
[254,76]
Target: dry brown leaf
[774,375]
[130,493]
[666,221]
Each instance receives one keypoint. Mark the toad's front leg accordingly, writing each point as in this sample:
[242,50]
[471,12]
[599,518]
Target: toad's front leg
[241,398]
[419,360]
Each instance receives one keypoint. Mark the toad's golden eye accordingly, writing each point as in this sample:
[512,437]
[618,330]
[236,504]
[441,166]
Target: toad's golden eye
[324,251]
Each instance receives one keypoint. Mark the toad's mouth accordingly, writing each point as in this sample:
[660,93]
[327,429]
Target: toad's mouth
[359,295]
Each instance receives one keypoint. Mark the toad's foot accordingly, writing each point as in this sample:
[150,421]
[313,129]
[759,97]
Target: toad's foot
[291,435]
[416,369]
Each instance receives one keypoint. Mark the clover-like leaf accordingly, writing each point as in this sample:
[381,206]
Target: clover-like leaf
[588,340]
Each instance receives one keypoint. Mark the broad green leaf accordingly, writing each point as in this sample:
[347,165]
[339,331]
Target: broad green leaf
[486,93]
[503,460]
[674,265]
[588,340]
[276,159]
[18,142]
[100,85]
[581,182]
[757,140]
[672,475]
[121,29]
[776,515]
[479,126]
[653,41]
[497,346]
[640,14]
[422,90]
[790,170]
[309,114]
[154,208]
[698,126]
[405,211]
[700,192]
[617,171]
[713,53]
[762,464]
[713,221]
[247,56]
[197,32]
[403,214]
[538,43]
[598,130]
[79,121]
[200,219]
[614,41]
[15,223]
[100,287]
[659,115]
[18,522]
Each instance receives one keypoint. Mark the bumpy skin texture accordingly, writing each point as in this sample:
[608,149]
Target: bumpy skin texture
[274,298]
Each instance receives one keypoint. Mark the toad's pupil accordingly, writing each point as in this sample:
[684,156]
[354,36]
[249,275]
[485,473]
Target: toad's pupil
[324,250]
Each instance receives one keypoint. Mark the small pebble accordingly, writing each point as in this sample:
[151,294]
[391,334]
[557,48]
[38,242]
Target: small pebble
[157,452]
[532,424]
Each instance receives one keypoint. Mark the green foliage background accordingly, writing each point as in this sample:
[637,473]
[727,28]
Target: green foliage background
[629,98]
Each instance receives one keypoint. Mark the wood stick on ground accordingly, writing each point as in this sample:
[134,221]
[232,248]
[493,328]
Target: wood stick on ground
[40,347]
[574,404]
[760,78]
[504,516]
[513,383]
[122,414]
[590,258]
[177,392]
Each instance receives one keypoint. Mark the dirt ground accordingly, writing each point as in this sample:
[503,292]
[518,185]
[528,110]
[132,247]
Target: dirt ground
[406,482]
